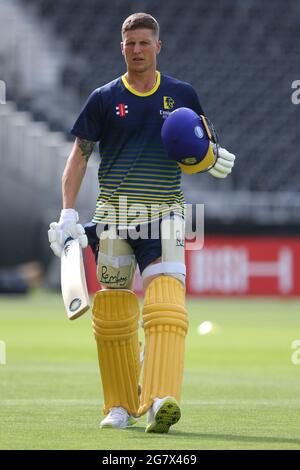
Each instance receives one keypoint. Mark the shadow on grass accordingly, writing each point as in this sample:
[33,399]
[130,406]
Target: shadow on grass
[217,437]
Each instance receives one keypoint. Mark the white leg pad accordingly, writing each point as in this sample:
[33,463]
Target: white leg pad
[116,262]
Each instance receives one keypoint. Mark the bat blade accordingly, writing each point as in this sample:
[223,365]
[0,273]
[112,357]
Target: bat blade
[73,282]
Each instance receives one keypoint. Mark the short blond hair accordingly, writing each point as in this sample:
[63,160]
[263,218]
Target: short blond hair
[139,21]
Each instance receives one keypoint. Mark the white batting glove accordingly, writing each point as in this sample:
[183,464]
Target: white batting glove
[66,227]
[223,165]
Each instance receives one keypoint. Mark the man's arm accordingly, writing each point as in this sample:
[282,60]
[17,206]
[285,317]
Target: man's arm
[73,174]
[67,237]
[75,170]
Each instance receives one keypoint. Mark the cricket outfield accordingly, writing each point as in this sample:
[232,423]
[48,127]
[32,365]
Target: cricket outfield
[241,383]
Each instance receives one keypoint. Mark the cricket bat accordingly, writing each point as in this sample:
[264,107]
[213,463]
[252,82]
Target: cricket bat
[73,282]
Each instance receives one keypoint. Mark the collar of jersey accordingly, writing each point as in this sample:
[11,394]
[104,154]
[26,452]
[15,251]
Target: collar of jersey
[138,93]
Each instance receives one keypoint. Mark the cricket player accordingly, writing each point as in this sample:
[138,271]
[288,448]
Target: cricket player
[126,116]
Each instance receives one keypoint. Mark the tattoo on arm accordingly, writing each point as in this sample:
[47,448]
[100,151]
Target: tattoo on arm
[86,147]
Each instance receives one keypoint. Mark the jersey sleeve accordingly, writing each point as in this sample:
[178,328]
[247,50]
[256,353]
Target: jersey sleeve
[89,123]
[193,101]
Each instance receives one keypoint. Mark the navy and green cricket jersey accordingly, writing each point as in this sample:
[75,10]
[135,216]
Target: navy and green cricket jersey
[134,164]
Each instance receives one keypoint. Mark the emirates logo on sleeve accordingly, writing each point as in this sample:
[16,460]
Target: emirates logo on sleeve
[122,110]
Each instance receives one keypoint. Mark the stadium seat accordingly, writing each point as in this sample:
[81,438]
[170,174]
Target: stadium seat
[243,73]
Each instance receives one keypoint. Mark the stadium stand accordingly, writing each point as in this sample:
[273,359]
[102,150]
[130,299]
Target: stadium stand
[241,56]
[30,190]
[243,72]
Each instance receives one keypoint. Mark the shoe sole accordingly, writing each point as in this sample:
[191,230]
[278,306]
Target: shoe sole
[131,422]
[167,415]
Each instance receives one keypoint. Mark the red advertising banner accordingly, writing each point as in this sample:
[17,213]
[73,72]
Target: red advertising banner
[235,266]
[245,266]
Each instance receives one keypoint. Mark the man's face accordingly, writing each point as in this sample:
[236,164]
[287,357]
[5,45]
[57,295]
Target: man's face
[140,48]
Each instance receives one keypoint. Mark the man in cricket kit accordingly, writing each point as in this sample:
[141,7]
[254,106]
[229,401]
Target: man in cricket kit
[126,116]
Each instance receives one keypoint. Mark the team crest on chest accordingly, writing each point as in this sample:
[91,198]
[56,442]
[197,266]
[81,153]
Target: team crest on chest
[121,110]
[168,102]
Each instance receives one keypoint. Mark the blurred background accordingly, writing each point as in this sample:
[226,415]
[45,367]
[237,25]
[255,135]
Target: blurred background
[241,382]
[241,56]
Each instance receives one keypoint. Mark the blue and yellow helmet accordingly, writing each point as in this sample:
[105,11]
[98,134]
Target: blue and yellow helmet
[187,138]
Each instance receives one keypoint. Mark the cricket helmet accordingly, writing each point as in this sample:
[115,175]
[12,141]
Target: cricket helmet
[187,139]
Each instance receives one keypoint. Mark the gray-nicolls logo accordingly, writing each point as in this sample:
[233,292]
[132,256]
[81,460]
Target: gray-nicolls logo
[66,247]
[179,239]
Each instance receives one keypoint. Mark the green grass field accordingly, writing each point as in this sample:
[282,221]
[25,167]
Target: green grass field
[241,390]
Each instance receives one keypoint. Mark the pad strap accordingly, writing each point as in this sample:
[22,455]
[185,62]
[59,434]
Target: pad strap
[116,261]
[165,267]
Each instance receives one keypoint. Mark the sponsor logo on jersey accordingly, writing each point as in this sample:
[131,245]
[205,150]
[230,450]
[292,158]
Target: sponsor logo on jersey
[122,110]
[164,114]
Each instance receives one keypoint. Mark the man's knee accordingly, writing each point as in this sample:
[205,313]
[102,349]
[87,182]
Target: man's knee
[116,261]
[172,261]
